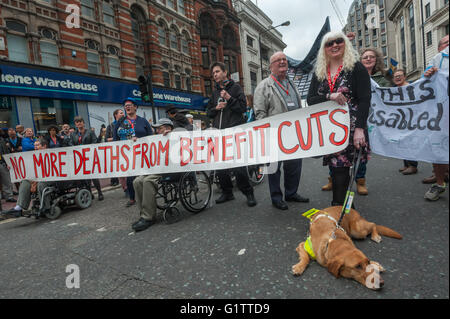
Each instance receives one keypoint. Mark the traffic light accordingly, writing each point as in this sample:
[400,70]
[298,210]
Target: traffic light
[143,87]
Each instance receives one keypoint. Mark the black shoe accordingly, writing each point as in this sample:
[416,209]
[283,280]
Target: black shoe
[11,200]
[224,198]
[142,224]
[11,213]
[100,197]
[251,201]
[297,198]
[280,205]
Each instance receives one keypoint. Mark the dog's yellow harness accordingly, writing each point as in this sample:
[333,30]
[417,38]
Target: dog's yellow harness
[308,248]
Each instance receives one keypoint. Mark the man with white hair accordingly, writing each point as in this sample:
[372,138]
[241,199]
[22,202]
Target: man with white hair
[274,95]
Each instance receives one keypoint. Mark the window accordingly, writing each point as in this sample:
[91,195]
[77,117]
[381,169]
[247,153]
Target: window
[93,62]
[162,34]
[383,39]
[383,27]
[229,39]
[384,50]
[207,27]
[374,33]
[205,58]
[381,14]
[185,44]
[166,78]
[250,41]
[48,112]
[178,82]
[402,40]
[49,54]
[17,44]
[253,81]
[208,90]
[429,38]
[381,4]
[135,26]
[413,36]
[8,111]
[181,8]
[114,66]
[171,4]
[188,84]
[213,55]
[173,39]
[427,10]
[87,8]
[375,43]
[108,13]
[139,66]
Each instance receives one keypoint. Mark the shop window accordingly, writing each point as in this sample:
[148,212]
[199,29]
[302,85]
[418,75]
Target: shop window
[48,112]
[8,112]
[49,54]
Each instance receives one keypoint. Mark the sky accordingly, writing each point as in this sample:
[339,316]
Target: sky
[307,18]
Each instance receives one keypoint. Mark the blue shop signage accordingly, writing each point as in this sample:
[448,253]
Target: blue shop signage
[33,82]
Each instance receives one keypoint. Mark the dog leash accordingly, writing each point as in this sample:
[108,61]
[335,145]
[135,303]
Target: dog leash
[350,195]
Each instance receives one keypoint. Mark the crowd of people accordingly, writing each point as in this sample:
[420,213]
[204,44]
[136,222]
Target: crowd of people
[340,75]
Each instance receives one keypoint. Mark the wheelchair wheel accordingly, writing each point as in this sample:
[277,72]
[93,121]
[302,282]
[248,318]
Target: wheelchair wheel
[171,215]
[255,174]
[195,191]
[83,198]
[54,212]
[167,195]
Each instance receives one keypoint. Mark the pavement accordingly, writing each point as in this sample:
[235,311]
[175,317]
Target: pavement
[229,251]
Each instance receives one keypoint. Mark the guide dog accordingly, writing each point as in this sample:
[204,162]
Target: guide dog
[333,248]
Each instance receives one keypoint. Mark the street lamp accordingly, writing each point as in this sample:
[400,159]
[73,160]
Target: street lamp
[284,24]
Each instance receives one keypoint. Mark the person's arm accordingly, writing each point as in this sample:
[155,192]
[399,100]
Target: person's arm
[237,102]
[363,93]
[211,111]
[313,94]
[260,101]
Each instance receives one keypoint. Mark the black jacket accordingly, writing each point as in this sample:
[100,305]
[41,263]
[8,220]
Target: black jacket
[233,113]
[89,137]
[180,120]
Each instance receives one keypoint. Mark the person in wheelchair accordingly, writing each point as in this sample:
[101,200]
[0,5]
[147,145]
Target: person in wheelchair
[27,188]
[146,186]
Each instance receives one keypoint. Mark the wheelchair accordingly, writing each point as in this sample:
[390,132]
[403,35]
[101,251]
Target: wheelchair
[59,195]
[192,189]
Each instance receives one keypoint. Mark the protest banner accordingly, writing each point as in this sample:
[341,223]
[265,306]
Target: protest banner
[411,122]
[308,132]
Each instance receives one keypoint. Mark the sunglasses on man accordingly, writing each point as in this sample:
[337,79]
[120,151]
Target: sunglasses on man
[329,44]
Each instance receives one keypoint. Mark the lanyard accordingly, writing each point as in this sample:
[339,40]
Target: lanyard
[332,84]
[281,86]
[131,122]
[55,140]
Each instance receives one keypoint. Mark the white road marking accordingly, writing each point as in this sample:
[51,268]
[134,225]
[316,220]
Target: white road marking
[73,224]
[241,252]
[175,240]
[101,229]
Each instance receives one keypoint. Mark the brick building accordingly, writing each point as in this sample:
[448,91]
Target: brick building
[63,71]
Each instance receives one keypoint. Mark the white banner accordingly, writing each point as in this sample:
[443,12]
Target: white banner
[411,122]
[308,132]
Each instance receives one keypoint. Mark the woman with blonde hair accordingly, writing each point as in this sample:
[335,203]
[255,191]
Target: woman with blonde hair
[340,77]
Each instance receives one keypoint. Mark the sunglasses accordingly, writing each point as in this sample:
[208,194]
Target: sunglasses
[329,44]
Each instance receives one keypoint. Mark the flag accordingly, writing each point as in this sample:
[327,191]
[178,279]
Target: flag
[392,66]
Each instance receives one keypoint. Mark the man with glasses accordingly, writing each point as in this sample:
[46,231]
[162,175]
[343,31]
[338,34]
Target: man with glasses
[274,95]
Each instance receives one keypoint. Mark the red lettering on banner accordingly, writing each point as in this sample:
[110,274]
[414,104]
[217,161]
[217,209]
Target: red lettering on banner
[61,164]
[75,165]
[213,148]
[185,147]
[135,153]
[225,145]
[53,160]
[124,155]
[85,159]
[238,143]
[38,162]
[47,165]
[198,148]
[344,127]
[163,149]
[96,162]
[261,128]
[115,158]
[153,155]
[105,158]
[304,146]
[250,143]
[319,124]
[144,156]
[18,168]
[280,141]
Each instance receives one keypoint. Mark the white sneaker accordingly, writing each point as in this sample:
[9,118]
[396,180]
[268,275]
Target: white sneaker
[434,192]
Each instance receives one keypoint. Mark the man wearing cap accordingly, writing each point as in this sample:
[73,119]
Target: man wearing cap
[131,127]
[178,119]
[146,187]
[226,107]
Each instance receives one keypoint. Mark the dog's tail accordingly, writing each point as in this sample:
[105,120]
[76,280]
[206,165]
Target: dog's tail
[385,231]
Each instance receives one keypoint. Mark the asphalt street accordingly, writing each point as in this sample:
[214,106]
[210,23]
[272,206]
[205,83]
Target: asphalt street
[229,251]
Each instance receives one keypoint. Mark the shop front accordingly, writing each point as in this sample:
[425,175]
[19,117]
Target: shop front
[36,97]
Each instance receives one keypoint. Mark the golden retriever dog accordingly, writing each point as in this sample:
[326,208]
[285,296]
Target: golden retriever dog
[338,253]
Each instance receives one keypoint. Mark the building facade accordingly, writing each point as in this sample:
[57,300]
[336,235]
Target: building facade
[381,37]
[253,28]
[57,62]
[435,25]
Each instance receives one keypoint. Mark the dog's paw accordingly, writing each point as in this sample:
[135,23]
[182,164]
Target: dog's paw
[297,270]
[380,268]
[376,239]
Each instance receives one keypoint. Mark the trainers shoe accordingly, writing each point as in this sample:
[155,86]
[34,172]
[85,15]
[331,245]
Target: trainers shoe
[434,192]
